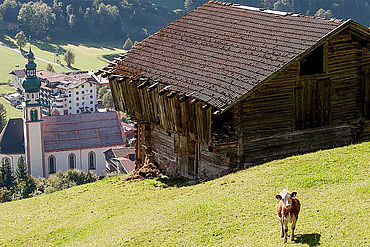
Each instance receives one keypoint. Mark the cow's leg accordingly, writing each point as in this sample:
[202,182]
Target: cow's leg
[282,228]
[285,231]
[294,220]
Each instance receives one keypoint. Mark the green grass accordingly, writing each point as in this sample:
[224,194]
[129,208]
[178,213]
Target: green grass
[11,112]
[236,210]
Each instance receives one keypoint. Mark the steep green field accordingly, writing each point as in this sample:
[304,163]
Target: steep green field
[236,210]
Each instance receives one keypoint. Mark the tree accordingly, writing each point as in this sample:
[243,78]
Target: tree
[26,187]
[108,100]
[320,13]
[2,25]
[20,39]
[36,17]
[50,67]
[69,57]
[3,118]
[9,10]
[128,44]
[21,171]
[7,179]
[102,91]
[187,4]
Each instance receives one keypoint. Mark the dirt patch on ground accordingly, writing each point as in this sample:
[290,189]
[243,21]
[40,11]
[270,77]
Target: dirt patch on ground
[147,171]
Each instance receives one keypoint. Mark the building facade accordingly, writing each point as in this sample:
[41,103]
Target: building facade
[64,94]
[61,142]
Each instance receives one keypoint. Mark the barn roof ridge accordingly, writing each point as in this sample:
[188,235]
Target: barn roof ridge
[225,51]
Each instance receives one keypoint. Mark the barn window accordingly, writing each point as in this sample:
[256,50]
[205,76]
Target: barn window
[313,63]
[52,164]
[312,104]
[92,160]
[72,161]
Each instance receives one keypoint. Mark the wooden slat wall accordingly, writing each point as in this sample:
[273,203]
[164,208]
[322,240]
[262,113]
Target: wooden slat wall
[267,121]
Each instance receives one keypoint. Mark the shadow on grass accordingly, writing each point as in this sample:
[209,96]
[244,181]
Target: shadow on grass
[106,45]
[177,182]
[312,239]
[48,47]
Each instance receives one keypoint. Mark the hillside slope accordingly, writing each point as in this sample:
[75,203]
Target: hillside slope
[236,210]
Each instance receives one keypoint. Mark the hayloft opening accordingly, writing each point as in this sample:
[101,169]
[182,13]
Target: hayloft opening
[313,63]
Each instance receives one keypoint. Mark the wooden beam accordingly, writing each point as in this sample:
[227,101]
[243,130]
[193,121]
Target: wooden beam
[171,94]
[152,87]
[143,84]
[205,107]
[193,101]
[183,98]
[164,90]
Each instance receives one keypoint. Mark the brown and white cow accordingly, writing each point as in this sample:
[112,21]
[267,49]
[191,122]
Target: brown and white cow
[287,208]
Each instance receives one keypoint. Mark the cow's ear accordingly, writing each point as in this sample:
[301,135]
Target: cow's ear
[278,197]
[294,194]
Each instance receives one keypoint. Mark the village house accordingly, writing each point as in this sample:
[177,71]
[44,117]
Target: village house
[64,94]
[52,143]
[228,86]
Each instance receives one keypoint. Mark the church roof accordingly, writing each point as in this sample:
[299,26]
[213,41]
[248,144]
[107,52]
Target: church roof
[220,51]
[12,138]
[82,131]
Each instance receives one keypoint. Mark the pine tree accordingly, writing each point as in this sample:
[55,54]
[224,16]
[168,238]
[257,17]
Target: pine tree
[2,117]
[128,44]
[7,179]
[21,172]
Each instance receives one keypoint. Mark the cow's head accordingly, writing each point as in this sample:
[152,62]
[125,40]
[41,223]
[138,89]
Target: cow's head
[286,196]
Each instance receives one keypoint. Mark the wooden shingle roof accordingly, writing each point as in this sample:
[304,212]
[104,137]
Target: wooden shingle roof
[220,51]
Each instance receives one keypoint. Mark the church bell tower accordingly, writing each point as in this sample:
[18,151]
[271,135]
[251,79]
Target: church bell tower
[32,118]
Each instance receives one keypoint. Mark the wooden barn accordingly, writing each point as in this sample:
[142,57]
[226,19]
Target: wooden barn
[229,86]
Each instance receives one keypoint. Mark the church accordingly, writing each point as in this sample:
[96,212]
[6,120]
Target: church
[52,143]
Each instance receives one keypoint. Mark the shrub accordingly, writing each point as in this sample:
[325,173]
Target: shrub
[80,177]
[26,188]
[57,182]
[5,195]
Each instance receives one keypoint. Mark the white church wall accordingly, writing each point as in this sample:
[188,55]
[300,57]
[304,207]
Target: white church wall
[34,146]
[62,163]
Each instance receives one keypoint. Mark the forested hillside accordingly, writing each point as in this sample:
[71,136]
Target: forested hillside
[101,20]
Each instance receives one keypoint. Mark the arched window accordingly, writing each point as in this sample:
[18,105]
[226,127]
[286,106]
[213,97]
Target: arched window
[34,115]
[5,161]
[92,160]
[52,164]
[72,161]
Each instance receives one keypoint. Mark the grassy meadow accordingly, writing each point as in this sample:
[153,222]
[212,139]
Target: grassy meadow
[235,210]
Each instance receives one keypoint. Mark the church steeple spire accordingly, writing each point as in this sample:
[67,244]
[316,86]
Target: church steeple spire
[31,83]
[32,118]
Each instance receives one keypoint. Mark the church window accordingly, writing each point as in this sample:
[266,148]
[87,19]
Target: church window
[72,161]
[52,164]
[34,115]
[92,160]
[5,161]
